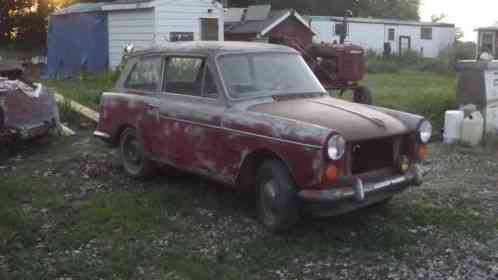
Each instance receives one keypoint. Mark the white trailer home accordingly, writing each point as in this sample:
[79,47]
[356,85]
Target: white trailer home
[428,39]
[147,23]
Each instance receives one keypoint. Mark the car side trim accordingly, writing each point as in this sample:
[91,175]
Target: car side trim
[242,132]
[136,96]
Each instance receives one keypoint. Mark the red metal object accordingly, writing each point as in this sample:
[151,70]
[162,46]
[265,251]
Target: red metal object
[227,140]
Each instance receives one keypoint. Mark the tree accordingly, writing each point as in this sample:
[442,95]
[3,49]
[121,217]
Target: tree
[10,12]
[438,18]
[399,9]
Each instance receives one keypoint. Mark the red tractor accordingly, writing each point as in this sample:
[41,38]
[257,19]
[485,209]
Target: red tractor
[338,66]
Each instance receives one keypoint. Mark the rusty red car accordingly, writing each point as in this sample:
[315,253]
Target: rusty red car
[253,116]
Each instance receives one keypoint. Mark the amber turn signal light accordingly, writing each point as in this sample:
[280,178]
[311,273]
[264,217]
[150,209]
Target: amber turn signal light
[422,152]
[331,173]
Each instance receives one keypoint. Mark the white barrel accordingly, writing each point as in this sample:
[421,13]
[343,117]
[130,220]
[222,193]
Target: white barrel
[473,129]
[452,126]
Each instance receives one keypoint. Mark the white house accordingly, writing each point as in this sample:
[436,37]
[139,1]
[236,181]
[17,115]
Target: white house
[428,39]
[147,23]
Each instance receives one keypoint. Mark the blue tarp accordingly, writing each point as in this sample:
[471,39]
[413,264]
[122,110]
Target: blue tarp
[77,41]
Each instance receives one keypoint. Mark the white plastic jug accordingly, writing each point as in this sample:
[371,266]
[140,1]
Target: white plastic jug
[452,126]
[473,129]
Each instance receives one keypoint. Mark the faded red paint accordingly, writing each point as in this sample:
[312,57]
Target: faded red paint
[219,138]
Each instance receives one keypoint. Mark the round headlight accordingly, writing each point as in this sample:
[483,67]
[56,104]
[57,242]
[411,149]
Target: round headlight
[336,147]
[425,131]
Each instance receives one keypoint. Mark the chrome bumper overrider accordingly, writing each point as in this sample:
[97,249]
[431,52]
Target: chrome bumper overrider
[101,135]
[361,190]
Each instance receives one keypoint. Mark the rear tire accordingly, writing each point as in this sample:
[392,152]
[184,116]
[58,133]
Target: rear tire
[278,204]
[132,155]
[362,95]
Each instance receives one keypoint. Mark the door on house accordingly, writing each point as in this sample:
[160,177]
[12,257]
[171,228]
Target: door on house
[405,44]
[209,29]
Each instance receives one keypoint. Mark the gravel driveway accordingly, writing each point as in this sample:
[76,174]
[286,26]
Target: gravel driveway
[87,220]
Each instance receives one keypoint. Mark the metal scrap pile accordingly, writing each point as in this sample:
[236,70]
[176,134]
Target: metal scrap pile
[26,110]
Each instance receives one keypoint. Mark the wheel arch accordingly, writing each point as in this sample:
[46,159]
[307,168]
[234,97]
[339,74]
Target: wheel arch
[252,162]
[116,136]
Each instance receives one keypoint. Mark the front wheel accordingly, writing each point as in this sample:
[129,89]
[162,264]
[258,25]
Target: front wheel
[278,204]
[132,154]
[362,95]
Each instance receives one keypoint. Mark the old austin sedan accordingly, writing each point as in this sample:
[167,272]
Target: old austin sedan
[253,116]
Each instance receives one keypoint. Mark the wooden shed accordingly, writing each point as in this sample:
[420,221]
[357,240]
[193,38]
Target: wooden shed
[148,23]
[259,23]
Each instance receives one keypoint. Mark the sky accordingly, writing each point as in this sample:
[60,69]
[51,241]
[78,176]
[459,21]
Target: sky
[466,14]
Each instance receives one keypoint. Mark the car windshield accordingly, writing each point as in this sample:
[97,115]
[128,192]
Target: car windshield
[267,74]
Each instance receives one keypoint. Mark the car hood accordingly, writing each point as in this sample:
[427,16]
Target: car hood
[353,121]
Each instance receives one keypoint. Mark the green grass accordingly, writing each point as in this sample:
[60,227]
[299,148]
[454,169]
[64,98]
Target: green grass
[423,93]
[86,89]
[125,225]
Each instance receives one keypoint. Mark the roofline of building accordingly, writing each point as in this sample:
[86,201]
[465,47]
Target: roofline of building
[282,19]
[131,6]
[144,5]
[490,28]
[383,21]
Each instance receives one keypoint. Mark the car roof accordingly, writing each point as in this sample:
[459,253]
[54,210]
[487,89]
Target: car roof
[214,48]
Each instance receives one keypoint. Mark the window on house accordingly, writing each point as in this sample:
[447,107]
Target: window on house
[145,75]
[426,33]
[189,76]
[392,34]
[339,29]
[487,42]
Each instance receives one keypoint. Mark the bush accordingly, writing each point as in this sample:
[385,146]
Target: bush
[412,61]
[86,89]
[379,65]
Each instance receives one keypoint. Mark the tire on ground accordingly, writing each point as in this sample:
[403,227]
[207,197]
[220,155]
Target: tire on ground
[139,166]
[277,201]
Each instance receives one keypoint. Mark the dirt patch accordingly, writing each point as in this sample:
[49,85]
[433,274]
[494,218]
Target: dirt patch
[74,213]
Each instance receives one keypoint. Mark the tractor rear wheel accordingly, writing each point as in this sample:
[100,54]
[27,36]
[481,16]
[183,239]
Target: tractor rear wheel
[362,95]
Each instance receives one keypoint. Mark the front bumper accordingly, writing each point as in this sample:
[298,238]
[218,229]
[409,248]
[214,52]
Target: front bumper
[361,194]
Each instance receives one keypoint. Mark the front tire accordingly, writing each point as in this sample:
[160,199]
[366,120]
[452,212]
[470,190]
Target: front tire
[132,155]
[278,204]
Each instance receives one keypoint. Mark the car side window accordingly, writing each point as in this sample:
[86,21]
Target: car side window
[145,75]
[183,75]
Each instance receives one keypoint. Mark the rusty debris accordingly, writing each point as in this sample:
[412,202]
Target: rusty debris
[27,110]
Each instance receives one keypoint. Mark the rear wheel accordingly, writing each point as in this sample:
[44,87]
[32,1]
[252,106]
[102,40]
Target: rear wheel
[278,204]
[362,95]
[131,152]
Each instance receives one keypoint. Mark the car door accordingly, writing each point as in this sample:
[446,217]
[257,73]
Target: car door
[190,113]
[142,103]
